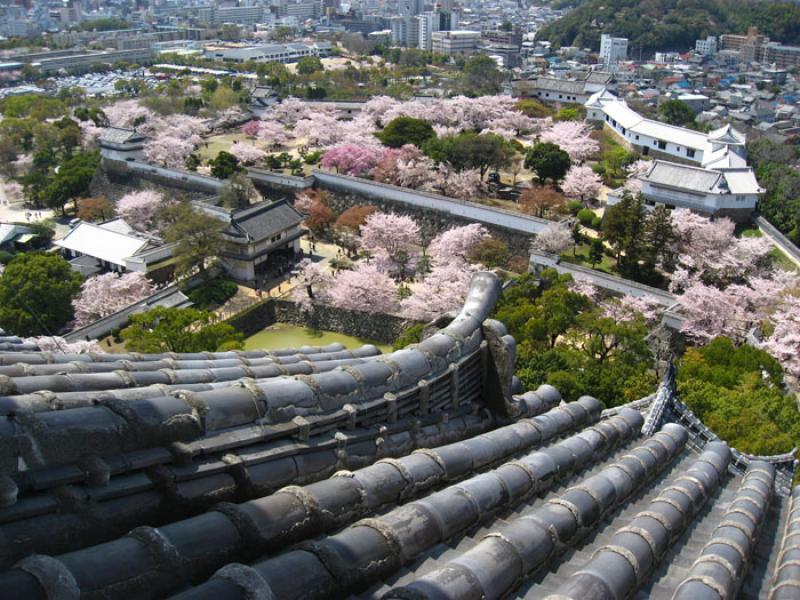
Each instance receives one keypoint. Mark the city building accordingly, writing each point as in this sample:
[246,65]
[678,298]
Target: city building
[706,47]
[755,47]
[724,192]
[654,138]
[613,50]
[455,42]
[214,16]
[283,53]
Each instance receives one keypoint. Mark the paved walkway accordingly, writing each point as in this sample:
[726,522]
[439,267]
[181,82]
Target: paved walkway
[19,213]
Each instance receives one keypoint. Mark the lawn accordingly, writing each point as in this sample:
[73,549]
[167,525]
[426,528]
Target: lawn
[781,261]
[607,265]
[212,146]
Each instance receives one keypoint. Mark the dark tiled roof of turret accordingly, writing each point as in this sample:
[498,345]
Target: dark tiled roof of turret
[327,473]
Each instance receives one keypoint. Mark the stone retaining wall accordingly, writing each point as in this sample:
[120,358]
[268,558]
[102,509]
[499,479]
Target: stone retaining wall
[383,329]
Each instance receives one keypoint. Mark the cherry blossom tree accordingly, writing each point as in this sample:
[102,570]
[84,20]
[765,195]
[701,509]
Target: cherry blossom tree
[13,191]
[169,151]
[247,154]
[350,159]
[708,250]
[103,295]
[442,291]
[581,183]
[464,185]
[138,209]
[251,128]
[90,133]
[627,308]
[393,241]
[574,137]
[302,202]
[59,344]
[784,343]
[584,287]
[288,112]
[313,283]
[377,107]
[405,167]
[555,238]
[128,114]
[709,312]
[273,133]
[635,170]
[364,289]
[456,243]
[389,233]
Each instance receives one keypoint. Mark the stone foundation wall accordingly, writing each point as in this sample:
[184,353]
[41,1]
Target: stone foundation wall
[114,179]
[384,329]
[431,222]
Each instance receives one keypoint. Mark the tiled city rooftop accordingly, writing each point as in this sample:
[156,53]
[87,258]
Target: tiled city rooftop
[329,473]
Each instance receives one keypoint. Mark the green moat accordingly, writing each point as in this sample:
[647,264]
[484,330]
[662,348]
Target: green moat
[283,335]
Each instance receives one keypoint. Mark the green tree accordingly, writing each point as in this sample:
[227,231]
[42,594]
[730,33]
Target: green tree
[676,112]
[238,192]
[36,294]
[481,77]
[72,180]
[660,238]
[533,108]
[224,165]
[738,392]
[197,235]
[624,228]
[406,130]
[308,65]
[596,252]
[549,161]
[471,150]
[565,340]
[179,330]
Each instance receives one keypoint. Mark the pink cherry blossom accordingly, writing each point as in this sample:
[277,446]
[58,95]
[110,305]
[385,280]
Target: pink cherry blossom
[169,151]
[103,295]
[247,154]
[555,238]
[364,289]
[581,183]
[456,243]
[313,282]
[138,209]
[350,159]
[574,137]
[251,128]
[442,291]
[784,343]
[59,344]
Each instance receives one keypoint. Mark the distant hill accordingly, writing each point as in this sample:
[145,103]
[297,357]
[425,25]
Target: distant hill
[658,25]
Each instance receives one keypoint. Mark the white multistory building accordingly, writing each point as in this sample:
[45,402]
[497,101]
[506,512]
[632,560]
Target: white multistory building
[613,49]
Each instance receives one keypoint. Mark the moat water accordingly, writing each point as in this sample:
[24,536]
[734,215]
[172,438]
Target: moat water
[283,335]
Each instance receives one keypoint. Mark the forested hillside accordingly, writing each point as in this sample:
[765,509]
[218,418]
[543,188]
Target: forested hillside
[671,24]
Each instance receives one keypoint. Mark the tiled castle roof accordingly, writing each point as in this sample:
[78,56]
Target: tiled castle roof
[327,473]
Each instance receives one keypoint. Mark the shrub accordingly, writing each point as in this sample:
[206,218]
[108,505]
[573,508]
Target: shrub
[574,206]
[597,222]
[313,158]
[213,293]
[586,216]
[5,257]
